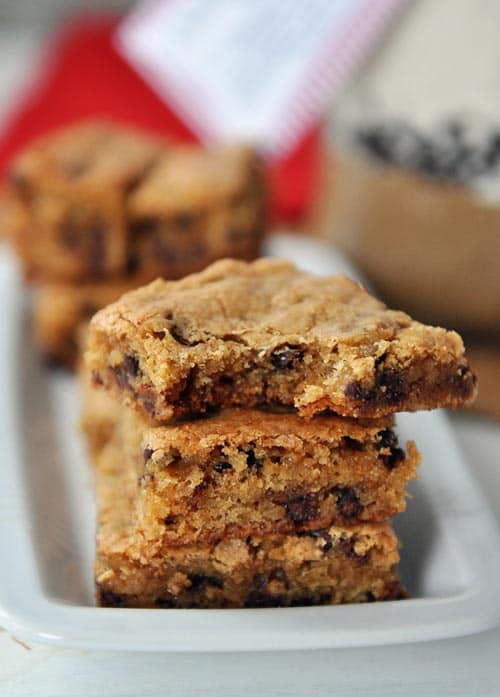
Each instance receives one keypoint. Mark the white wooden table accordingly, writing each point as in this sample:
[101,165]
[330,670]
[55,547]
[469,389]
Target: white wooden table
[467,666]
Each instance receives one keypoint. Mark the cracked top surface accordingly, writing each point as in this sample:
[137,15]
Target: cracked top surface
[254,302]
[266,303]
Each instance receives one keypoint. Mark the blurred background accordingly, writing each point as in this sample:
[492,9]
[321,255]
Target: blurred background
[377,121]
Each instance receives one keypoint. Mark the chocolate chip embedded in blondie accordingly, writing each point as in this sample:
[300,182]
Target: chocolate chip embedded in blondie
[241,334]
[331,565]
[247,472]
[196,206]
[70,188]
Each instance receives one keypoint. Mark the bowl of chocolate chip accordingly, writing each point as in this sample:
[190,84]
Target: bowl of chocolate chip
[419,212]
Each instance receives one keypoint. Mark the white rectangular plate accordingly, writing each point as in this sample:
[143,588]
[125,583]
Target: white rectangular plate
[450,556]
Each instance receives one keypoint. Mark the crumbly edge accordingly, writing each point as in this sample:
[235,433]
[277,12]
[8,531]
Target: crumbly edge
[285,484]
[331,565]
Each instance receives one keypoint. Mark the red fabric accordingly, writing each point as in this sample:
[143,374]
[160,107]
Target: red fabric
[82,75]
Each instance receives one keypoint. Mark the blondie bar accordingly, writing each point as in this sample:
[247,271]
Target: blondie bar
[246,472]
[241,334]
[193,207]
[98,201]
[70,189]
[331,565]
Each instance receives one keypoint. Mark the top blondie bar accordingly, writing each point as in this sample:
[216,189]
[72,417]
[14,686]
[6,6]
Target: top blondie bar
[265,333]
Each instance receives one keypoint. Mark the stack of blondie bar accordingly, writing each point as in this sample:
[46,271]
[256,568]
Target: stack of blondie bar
[241,422]
[98,209]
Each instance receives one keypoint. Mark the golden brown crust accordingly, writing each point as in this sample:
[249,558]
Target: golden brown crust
[251,334]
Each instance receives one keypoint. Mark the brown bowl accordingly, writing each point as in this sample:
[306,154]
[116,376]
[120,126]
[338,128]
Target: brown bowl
[430,248]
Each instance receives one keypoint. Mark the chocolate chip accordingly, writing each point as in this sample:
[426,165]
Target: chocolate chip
[203,485]
[302,601]
[451,153]
[253,462]
[144,226]
[352,443]
[347,547]
[376,142]
[165,603]
[262,599]
[493,151]
[178,335]
[369,597]
[287,357]
[263,594]
[396,456]
[184,220]
[109,598]
[348,503]
[301,509]
[464,381]
[131,366]
[388,388]
[200,581]
[393,385]
[187,386]
[126,371]
[147,454]
[170,519]
[159,335]
[132,263]
[222,466]
[387,440]
[355,391]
